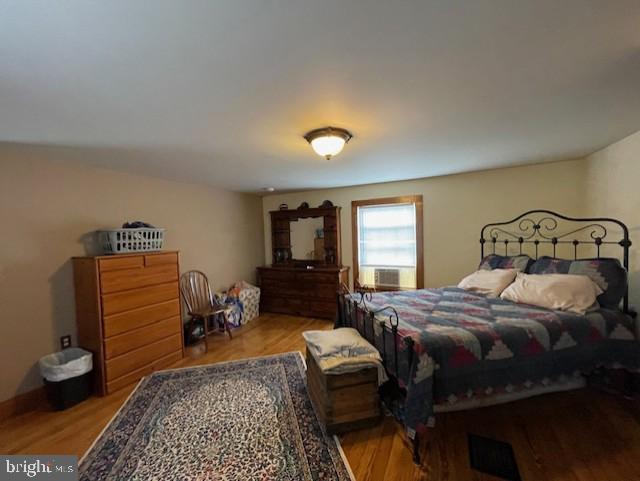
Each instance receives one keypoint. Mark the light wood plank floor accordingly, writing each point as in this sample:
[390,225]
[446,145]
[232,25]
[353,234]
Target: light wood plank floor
[583,435]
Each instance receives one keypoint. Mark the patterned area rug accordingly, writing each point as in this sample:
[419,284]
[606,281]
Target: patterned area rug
[240,420]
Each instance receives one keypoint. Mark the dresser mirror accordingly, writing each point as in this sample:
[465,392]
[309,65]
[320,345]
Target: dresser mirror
[307,238]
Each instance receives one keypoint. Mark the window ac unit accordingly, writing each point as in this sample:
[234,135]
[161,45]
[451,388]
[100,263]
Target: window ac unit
[387,277]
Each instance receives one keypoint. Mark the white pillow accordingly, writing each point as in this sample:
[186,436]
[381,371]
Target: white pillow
[564,292]
[490,283]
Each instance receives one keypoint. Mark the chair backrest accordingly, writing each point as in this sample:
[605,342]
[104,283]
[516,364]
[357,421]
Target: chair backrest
[195,290]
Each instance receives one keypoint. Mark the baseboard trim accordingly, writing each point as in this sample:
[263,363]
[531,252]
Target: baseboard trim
[22,403]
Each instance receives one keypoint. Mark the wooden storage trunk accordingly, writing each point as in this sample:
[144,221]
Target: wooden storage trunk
[344,402]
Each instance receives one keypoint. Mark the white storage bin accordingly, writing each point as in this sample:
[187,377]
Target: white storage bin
[120,241]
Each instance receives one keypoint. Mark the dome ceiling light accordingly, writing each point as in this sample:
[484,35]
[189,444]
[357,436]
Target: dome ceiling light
[328,141]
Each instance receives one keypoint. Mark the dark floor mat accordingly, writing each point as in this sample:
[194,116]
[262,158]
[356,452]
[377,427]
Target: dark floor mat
[493,457]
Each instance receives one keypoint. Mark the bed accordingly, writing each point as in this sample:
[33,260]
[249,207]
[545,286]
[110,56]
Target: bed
[448,348]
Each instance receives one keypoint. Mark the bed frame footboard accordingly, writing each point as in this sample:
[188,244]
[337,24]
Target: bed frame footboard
[354,313]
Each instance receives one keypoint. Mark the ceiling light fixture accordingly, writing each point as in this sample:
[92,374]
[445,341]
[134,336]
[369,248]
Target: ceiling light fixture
[328,141]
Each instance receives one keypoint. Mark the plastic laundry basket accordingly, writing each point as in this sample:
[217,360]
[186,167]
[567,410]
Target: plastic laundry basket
[67,376]
[122,241]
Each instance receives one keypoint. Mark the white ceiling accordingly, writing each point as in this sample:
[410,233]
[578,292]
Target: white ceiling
[221,91]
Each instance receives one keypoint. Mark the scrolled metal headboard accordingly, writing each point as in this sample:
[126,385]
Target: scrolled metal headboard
[541,228]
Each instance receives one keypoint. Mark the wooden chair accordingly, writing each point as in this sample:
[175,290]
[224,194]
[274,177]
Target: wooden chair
[201,305]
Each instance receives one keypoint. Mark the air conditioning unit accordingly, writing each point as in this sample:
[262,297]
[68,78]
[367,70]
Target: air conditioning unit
[387,277]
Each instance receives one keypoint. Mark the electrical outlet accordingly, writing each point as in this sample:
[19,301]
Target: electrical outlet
[65,342]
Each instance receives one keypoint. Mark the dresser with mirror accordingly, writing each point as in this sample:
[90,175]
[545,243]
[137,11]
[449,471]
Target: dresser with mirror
[306,270]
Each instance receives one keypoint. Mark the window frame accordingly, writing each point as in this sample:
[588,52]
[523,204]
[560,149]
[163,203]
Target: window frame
[405,199]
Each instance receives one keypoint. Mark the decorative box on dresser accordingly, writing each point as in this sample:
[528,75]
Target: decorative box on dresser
[304,287]
[128,315]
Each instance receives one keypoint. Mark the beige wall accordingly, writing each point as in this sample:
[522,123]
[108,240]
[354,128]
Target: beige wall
[613,189]
[455,209]
[47,206]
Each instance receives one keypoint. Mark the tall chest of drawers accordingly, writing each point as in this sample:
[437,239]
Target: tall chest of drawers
[128,315]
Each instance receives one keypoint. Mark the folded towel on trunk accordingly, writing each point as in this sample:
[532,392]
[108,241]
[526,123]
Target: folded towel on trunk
[343,350]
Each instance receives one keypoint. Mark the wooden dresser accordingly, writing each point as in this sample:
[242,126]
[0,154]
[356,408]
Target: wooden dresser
[128,315]
[304,287]
[301,292]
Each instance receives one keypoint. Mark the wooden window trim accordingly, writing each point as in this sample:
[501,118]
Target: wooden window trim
[405,199]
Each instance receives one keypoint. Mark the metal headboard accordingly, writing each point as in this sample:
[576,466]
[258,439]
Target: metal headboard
[541,228]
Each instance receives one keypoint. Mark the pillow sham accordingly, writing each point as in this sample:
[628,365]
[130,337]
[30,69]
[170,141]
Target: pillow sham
[563,292]
[490,283]
[607,272]
[495,261]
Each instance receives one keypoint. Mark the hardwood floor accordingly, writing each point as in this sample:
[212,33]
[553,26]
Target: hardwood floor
[583,435]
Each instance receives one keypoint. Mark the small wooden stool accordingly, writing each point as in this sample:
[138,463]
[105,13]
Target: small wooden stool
[344,402]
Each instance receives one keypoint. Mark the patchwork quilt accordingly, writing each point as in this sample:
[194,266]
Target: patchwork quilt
[468,346]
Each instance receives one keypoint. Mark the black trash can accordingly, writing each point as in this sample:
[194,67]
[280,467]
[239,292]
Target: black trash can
[67,377]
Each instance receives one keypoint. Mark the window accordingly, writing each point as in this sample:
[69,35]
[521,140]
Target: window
[387,242]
